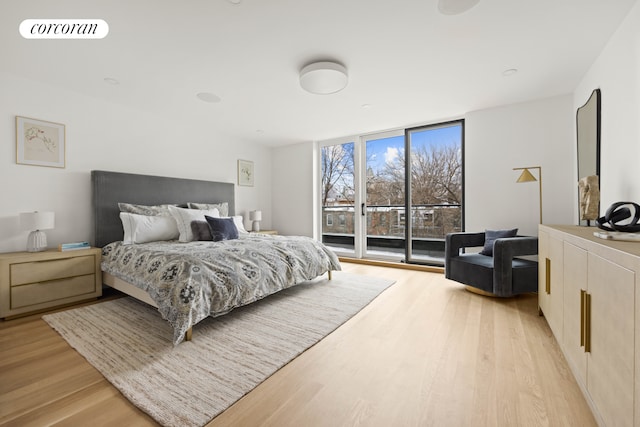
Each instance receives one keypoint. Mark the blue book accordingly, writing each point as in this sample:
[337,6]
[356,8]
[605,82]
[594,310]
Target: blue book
[73,246]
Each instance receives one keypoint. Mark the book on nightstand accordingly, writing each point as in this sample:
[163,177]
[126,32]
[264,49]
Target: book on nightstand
[73,246]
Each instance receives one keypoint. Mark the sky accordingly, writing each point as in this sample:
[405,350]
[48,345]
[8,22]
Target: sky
[384,150]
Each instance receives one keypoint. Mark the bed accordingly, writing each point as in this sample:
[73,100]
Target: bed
[190,279]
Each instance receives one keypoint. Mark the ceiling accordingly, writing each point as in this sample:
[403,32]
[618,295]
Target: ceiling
[408,64]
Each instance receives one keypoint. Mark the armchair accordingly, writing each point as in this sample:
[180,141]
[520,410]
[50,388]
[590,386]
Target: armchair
[502,274]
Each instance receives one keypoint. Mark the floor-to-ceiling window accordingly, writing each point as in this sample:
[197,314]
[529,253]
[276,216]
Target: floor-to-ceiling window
[365,182]
[384,195]
[337,169]
[435,189]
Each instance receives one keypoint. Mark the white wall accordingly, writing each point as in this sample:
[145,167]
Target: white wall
[107,136]
[536,133]
[292,181]
[617,73]
[102,135]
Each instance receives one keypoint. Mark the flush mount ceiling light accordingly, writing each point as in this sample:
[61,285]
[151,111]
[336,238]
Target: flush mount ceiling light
[208,97]
[455,7]
[323,78]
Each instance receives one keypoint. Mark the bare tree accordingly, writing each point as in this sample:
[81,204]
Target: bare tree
[337,172]
[436,178]
[436,175]
[388,185]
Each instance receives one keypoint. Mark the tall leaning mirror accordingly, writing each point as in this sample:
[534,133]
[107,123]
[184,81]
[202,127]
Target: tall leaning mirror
[588,136]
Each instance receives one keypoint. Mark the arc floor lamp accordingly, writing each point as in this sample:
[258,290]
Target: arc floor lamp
[527,176]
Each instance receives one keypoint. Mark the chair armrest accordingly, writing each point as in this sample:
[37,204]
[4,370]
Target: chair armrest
[504,250]
[456,241]
[509,247]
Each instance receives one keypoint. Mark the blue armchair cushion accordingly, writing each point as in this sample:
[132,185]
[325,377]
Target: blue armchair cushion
[490,236]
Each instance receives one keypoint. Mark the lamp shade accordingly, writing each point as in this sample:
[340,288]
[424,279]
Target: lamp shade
[323,78]
[255,215]
[30,221]
[526,176]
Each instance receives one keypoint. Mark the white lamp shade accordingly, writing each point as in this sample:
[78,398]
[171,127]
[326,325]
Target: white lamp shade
[30,221]
[323,78]
[255,215]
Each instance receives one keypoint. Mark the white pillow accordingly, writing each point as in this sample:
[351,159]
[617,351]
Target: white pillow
[222,207]
[144,228]
[183,218]
[239,222]
[160,210]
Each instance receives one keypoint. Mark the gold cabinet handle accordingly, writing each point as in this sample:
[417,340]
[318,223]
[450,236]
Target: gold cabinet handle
[583,294]
[547,270]
[587,323]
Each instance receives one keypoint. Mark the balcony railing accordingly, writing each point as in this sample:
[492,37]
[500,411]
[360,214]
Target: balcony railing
[386,228]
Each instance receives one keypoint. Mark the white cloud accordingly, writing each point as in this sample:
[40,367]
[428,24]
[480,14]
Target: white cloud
[391,154]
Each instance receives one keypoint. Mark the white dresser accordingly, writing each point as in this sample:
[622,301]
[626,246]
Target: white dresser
[589,292]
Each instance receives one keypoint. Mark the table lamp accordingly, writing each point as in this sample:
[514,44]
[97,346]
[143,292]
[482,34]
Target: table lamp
[36,222]
[256,217]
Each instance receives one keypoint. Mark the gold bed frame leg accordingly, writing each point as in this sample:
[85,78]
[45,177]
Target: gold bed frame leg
[329,273]
[188,334]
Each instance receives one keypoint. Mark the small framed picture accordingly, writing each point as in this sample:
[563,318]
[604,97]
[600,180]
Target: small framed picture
[40,143]
[245,173]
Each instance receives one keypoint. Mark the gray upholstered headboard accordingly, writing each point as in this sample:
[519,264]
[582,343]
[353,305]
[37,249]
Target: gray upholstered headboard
[111,188]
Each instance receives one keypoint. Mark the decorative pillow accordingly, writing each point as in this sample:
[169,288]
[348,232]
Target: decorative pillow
[156,210]
[145,228]
[222,228]
[239,222]
[184,217]
[223,208]
[490,237]
[201,231]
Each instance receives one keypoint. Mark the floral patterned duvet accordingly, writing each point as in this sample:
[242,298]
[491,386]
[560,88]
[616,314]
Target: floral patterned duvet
[190,281]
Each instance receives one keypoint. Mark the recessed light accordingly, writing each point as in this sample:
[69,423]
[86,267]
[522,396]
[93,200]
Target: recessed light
[509,72]
[208,97]
[111,81]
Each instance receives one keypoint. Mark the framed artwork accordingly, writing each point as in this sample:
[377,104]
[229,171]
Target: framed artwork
[245,173]
[40,143]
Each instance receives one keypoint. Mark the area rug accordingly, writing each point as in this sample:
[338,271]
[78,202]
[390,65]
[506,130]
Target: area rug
[188,385]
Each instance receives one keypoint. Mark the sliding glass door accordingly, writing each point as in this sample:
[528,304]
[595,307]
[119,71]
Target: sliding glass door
[338,196]
[393,195]
[434,201]
[383,208]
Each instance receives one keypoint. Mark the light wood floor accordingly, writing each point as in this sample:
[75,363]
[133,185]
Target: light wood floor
[426,352]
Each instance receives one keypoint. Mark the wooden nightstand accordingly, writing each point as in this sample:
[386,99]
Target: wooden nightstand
[265,232]
[37,281]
